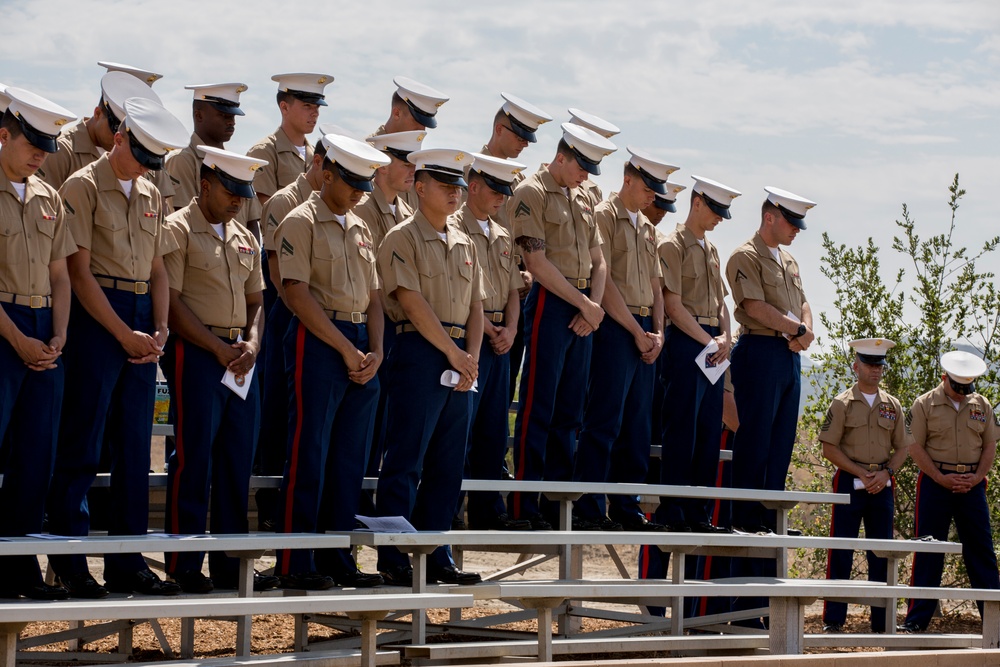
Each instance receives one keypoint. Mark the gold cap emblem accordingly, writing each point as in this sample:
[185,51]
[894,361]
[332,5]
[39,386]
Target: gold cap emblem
[240,88]
[459,157]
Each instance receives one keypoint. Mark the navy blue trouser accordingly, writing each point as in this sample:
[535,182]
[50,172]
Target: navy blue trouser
[377,449]
[215,432]
[614,441]
[516,356]
[692,426]
[274,387]
[876,511]
[766,382]
[104,383]
[936,508]
[30,405]
[425,444]
[551,399]
[488,434]
[329,430]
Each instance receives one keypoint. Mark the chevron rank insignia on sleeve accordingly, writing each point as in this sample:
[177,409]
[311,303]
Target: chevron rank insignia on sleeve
[522,210]
[286,248]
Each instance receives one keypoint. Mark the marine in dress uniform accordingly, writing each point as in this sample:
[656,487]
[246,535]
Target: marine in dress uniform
[34,310]
[955,434]
[555,229]
[776,325]
[694,297]
[216,322]
[614,442]
[491,181]
[601,127]
[865,436]
[384,208]
[333,349]
[117,333]
[434,290]
[273,444]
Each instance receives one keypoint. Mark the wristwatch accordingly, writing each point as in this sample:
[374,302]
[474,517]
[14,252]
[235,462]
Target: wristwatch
[801,330]
[892,473]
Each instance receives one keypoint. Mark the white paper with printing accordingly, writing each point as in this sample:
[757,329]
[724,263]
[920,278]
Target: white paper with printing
[239,385]
[384,524]
[451,378]
[712,371]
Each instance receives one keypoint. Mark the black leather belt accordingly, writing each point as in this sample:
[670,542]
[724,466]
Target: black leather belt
[957,467]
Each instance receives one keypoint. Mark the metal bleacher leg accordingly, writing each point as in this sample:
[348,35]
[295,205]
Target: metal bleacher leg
[991,624]
[891,580]
[419,623]
[244,624]
[787,631]
[187,638]
[545,634]
[8,643]
[300,633]
[677,604]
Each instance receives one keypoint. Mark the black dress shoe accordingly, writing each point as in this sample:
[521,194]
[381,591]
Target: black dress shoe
[401,575]
[261,582]
[677,527]
[909,628]
[143,581]
[538,522]
[36,591]
[503,522]
[84,586]
[458,523]
[639,523]
[194,582]
[707,527]
[452,575]
[833,628]
[307,581]
[357,579]
[793,532]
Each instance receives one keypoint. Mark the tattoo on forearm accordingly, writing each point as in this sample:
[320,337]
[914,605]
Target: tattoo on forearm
[530,244]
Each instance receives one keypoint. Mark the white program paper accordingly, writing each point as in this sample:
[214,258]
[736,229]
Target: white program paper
[860,484]
[712,371]
[450,378]
[384,524]
[240,385]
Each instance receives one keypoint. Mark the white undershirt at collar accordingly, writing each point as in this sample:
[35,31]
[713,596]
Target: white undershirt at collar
[485,226]
[20,187]
[127,187]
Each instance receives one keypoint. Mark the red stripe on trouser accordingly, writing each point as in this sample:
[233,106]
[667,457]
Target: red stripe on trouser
[833,514]
[529,397]
[703,604]
[916,531]
[300,344]
[178,445]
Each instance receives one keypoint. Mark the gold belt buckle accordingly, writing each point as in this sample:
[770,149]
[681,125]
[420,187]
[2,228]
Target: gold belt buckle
[960,467]
[456,332]
[357,318]
[234,333]
[874,466]
[36,301]
[140,287]
[643,311]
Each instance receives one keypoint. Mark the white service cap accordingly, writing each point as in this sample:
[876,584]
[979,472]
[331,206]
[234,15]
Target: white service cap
[152,131]
[355,160]
[41,120]
[962,367]
[792,206]
[223,96]
[588,146]
[592,122]
[306,86]
[399,144]
[422,100]
[444,164]
[144,75]
[236,171]
[667,199]
[498,173]
[4,100]
[654,172]
[118,86]
[872,351]
[716,195]
[525,118]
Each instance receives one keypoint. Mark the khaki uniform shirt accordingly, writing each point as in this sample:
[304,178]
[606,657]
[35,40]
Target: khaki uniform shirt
[865,434]
[447,273]
[123,234]
[502,216]
[184,170]
[281,204]
[161,179]
[753,273]
[629,252]
[76,151]
[337,262]
[496,256]
[566,224]
[283,162]
[377,214]
[213,275]
[692,272]
[32,234]
[593,191]
[949,435]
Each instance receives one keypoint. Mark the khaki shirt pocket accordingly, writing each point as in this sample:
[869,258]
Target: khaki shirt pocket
[329,260]
[14,251]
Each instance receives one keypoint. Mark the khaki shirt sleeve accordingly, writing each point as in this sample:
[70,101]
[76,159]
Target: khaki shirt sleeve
[265,180]
[63,244]
[604,219]
[672,264]
[481,289]
[295,236]
[900,433]
[397,262]
[916,420]
[528,204]
[744,278]
[255,281]
[79,201]
[183,172]
[597,238]
[175,259]
[516,281]
[832,430]
[992,433]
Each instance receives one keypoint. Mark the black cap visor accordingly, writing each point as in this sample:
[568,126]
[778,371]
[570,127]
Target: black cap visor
[223,105]
[40,140]
[503,187]
[397,153]
[653,183]
[716,207]
[356,181]
[307,97]
[963,389]
[143,155]
[421,116]
[239,188]
[114,122]
[590,166]
[793,218]
[521,130]
[445,175]
[872,359]
[664,204]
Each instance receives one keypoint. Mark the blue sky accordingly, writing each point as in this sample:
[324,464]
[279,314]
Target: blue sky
[860,106]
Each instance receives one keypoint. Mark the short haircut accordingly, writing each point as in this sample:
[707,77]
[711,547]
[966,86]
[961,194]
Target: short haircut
[768,207]
[397,100]
[320,148]
[283,96]
[9,123]
[329,166]
[476,176]
[422,175]
[564,148]
[207,173]
[499,117]
[630,170]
